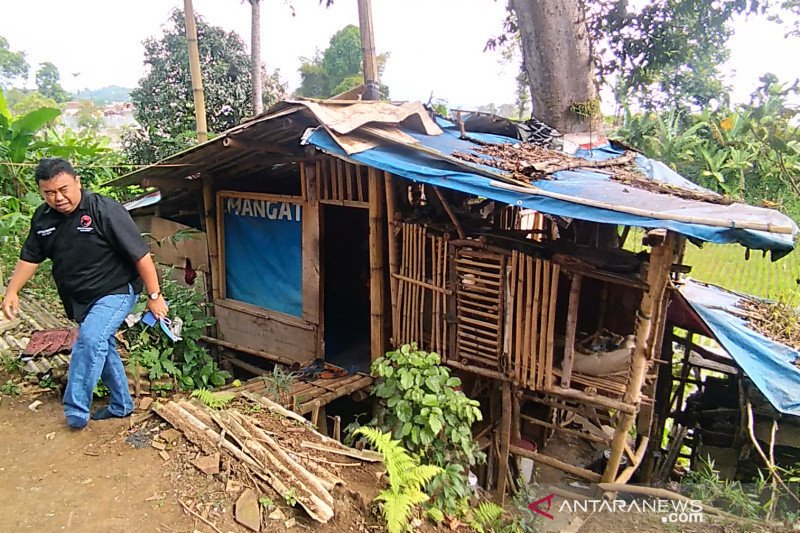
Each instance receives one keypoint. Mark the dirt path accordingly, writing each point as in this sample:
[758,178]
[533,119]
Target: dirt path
[56,479]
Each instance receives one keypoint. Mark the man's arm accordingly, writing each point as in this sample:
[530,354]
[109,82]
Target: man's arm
[22,273]
[149,275]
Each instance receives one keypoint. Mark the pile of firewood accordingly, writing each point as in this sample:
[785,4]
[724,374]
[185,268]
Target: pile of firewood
[290,466]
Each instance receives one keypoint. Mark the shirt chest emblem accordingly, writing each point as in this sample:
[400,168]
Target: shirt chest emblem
[45,232]
[85,224]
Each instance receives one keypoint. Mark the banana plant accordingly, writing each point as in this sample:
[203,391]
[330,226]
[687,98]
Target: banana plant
[16,141]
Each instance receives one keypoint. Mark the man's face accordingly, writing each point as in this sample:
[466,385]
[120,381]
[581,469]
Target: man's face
[62,192]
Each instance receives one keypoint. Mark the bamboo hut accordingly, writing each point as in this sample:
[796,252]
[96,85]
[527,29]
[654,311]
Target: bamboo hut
[339,229]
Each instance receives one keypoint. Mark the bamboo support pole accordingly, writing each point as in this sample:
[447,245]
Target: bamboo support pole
[636,461]
[567,431]
[582,473]
[376,284]
[595,399]
[369,59]
[209,213]
[450,213]
[657,278]
[572,322]
[394,265]
[194,69]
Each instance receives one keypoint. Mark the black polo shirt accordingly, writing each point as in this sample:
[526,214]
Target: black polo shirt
[94,250]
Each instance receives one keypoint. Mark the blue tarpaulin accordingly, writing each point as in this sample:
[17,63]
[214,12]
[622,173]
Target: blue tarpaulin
[769,364]
[579,184]
[263,254]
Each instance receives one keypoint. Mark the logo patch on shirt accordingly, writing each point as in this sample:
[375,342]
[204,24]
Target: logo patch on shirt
[45,232]
[86,224]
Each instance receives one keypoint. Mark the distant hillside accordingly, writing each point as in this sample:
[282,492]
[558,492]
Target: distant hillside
[106,95]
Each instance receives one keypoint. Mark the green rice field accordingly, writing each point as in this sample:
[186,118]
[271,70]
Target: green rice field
[725,265]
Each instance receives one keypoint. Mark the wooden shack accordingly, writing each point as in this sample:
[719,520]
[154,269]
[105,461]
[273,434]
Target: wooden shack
[338,230]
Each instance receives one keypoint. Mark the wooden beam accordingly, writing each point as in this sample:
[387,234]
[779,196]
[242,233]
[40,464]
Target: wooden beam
[555,463]
[657,278]
[244,349]
[376,284]
[394,255]
[572,323]
[209,215]
[370,62]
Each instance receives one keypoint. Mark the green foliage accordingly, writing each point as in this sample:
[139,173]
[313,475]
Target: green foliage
[163,102]
[751,152]
[705,485]
[279,383]
[423,408]
[21,101]
[13,66]
[407,477]
[47,83]
[290,497]
[10,363]
[213,400]
[338,68]
[487,517]
[187,363]
[265,502]
[105,95]
[100,390]
[9,388]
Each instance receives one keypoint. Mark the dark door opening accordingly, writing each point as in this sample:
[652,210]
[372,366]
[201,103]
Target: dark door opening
[345,251]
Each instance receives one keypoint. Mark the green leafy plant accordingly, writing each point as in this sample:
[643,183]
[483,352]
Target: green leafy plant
[187,363]
[265,502]
[704,484]
[279,383]
[407,478]
[100,390]
[423,408]
[9,388]
[486,517]
[214,400]
[10,364]
[290,497]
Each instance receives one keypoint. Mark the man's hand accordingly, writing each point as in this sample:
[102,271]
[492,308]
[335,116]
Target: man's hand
[11,305]
[158,307]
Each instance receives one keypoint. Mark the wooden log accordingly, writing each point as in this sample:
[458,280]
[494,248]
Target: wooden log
[598,400]
[505,442]
[572,321]
[362,455]
[329,480]
[376,284]
[555,463]
[345,390]
[195,431]
[657,277]
[251,351]
[312,482]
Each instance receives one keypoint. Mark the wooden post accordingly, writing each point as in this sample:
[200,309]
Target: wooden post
[371,91]
[505,442]
[394,260]
[657,277]
[209,213]
[194,68]
[572,324]
[376,281]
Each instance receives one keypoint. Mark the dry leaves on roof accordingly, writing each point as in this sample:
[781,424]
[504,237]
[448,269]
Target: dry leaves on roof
[529,162]
[776,321]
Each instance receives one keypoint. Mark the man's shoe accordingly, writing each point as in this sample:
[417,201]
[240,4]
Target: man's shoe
[103,413]
[76,422]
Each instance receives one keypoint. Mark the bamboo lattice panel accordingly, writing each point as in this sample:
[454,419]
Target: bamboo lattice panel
[421,290]
[534,289]
[480,296]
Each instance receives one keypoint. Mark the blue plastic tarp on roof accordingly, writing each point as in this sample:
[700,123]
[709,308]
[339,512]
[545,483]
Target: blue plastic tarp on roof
[580,184]
[769,364]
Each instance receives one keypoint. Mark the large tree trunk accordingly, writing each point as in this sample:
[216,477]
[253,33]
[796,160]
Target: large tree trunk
[555,50]
[255,56]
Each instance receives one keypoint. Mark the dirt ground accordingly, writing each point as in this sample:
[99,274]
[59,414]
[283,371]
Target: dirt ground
[53,478]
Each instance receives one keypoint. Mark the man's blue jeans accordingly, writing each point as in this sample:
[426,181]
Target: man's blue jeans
[95,356]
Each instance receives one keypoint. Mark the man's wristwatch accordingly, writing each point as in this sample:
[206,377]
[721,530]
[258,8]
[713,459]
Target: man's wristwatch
[155,295]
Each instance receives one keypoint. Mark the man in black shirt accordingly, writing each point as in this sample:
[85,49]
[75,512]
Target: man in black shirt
[99,264]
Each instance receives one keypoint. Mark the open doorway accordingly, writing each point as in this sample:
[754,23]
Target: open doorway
[346,284]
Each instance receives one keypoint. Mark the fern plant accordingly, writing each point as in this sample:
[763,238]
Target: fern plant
[213,400]
[486,517]
[406,478]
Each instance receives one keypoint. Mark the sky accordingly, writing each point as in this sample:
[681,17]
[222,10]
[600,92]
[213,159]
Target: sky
[436,46]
